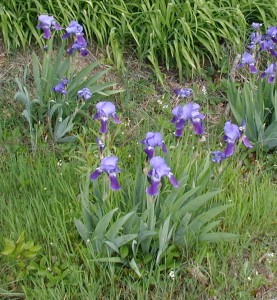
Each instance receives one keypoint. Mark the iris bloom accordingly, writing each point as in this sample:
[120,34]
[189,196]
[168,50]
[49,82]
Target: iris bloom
[80,43]
[218,156]
[268,44]
[256,26]
[270,72]
[248,59]
[81,47]
[255,39]
[105,110]
[77,30]
[243,137]
[61,87]
[109,166]
[152,140]
[188,112]
[272,33]
[46,23]
[84,93]
[159,169]
[183,92]
[234,133]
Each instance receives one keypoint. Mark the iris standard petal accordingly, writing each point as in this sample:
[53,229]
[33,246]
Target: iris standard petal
[106,107]
[231,131]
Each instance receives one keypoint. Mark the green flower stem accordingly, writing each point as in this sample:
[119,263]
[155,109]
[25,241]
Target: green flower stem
[151,212]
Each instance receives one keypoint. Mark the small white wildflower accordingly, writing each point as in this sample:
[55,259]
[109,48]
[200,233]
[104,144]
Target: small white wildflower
[60,119]
[172,274]
[45,188]
[249,278]
[204,90]
[88,241]
[271,254]
[257,273]
[49,269]
[51,244]
[165,106]
[59,163]
[129,155]
[122,132]
[160,102]
[202,139]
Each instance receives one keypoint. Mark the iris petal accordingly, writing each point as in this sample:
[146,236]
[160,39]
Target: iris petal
[173,180]
[114,184]
[153,189]
[229,150]
[95,174]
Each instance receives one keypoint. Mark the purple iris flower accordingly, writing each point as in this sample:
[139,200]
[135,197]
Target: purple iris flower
[255,39]
[272,33]
[105,110]
[61,87]
[84,93]
[218,156]
[75,28]
[46,23]
[81,47]
[152,140]
[159,169]
[269,45]
[183,92]
[108,165]
[256,26]
[232,134]
[270,72]
[243,137]
[80,43]
[190,111]
[248,59]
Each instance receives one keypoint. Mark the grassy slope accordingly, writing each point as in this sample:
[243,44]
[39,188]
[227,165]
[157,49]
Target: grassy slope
[41,198]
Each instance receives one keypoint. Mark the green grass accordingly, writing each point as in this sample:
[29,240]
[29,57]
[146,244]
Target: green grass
[186,36]
[42,199]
